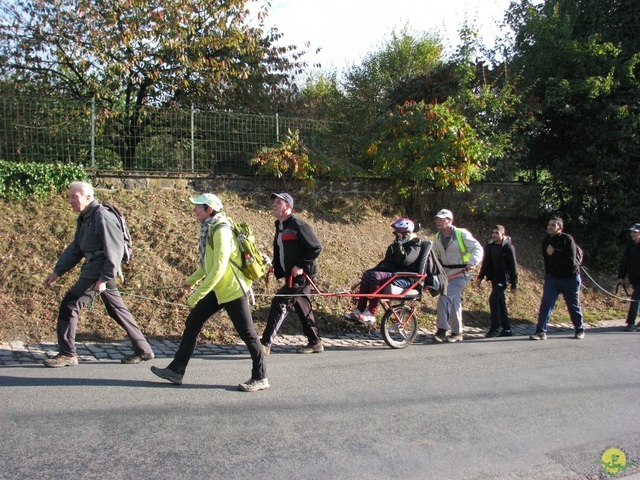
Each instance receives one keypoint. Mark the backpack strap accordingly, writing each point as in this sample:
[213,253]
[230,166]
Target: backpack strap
[217,227]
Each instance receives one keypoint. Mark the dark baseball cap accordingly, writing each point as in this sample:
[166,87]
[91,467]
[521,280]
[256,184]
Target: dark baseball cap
[283,196]
[635,227]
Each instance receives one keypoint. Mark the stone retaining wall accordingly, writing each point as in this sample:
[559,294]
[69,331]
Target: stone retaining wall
[506,200]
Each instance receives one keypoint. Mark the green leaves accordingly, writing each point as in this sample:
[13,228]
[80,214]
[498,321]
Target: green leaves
[578,60]
[292,159]
[35,180]
[421,143]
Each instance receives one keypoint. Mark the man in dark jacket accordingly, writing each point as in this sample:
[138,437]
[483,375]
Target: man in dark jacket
[630,267]
[562,276]
[98,239]
[500,267]
[295,250]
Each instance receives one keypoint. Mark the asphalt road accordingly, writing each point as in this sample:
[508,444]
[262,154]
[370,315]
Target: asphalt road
[483,409]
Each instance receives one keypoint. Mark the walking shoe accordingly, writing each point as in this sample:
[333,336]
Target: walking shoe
[631,327]
[354,316]
[266,349]
[61,360]
[440,336]
[138,357]
[252,385]
[505,333]
[491,334]
[579,335]
[168,374]
[312,348]
[454,337]
[538,336]
[367,317]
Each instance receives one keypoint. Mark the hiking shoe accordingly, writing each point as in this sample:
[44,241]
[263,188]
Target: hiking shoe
[354,316]
[538,336]
[454,337]
[312,348]
[491,334]
[252,385]
[266,349]
[505,333]
[138,357]
[367,317]
[168,374]
[61,360]
[631,327]
[579,335]
[440,336]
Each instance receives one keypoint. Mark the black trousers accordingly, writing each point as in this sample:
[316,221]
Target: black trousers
[498,307]
[633,305]
[281,305]
[77,298]
[240,314]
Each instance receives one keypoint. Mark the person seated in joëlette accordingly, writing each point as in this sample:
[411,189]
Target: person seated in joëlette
[401,256]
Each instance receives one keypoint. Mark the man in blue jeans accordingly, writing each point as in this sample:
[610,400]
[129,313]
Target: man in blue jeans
[562,276]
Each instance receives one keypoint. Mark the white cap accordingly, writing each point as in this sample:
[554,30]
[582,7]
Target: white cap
[208,199]
[444,213]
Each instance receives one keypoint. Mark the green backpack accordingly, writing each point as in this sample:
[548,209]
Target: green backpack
[254,263]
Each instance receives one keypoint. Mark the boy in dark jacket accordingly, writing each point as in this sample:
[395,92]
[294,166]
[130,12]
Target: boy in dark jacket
[630,266]
[500,267]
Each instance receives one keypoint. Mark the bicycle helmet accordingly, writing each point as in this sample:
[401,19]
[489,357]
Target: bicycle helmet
[403,225]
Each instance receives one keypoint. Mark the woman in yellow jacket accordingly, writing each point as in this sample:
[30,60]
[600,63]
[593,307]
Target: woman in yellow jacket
[220,284]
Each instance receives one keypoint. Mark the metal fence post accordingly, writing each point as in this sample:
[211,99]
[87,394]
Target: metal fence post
[193,141]
[93,132]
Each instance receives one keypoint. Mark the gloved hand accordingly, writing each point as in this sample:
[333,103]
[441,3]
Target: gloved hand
[398,236]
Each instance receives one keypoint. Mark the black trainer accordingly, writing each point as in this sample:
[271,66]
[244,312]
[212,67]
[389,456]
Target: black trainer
[440,336]
[491,333]
[505,333]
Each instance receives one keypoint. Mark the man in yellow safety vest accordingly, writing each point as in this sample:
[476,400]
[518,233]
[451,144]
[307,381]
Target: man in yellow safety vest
[459,254]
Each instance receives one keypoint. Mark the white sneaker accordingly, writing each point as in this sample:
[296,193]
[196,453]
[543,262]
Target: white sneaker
[367,317]
[252,385]
[356,315]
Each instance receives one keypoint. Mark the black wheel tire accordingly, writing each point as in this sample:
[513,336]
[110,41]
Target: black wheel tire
[399,334]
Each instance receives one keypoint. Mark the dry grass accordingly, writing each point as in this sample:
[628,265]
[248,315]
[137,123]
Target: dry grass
[354,232]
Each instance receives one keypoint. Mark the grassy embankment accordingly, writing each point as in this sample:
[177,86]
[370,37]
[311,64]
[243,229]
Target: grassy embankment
[354,232]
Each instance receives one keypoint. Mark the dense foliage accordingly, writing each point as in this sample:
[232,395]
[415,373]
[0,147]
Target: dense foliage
[35,180]
[579,62]
[417,142]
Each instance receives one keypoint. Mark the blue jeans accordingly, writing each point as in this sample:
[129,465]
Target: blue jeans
[570,290]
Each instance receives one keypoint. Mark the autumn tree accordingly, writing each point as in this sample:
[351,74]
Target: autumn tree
[137,53]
